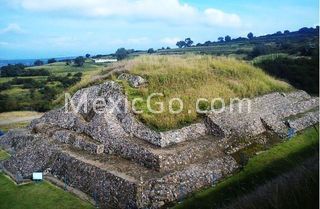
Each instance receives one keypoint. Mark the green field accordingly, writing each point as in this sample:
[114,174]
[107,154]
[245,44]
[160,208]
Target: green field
[60,68]
[37,196]
[259,170]
[37,92]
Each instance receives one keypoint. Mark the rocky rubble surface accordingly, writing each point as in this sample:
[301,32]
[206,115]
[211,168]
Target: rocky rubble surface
[268,112]
[128,165]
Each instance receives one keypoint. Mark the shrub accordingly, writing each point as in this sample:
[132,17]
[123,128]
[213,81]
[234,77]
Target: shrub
[79,61]
[52,60]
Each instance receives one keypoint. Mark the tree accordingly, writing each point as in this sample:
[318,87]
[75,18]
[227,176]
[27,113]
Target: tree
[88,55]
[121,53]
[38,63]
[227,38]
[79,61]
[52,60]
[151,50]
[181,44]
[168,47]
[188,42]
[250,35]
[286,32]
[207,43]
[220,39]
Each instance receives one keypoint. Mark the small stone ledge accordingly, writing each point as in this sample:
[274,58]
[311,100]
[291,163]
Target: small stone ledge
[133,80]
[191,132]
[78,141]
[309,119]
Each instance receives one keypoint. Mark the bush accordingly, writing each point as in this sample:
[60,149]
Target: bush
[258,50]
[121,53]
[19,70]
[38,63]
[79,61]
[151,51]
[52,60]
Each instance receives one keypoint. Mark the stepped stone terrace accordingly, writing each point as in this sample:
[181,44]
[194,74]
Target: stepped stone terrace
[124,164]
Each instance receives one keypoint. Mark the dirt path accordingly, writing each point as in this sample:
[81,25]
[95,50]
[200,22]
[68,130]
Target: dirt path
[18,120]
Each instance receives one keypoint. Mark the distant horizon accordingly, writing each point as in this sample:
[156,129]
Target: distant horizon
[47,28]
[110,52]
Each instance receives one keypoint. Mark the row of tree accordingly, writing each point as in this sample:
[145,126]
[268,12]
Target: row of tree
[20,70]
[123,53]
[79,61]
[188,42]
[40,62]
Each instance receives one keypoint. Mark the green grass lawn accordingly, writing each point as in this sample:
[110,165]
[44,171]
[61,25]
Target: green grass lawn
[3,155]
[41,195]
[60,68]
[259,170]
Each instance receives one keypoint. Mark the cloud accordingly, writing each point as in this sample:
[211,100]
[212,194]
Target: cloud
[12,28]
[171,11]
[171,41]
[217,17]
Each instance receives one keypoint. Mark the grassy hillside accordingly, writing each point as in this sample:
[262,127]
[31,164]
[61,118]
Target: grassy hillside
[190,77]
[302,43]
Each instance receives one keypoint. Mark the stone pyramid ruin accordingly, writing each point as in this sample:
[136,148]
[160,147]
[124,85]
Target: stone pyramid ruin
[115,160]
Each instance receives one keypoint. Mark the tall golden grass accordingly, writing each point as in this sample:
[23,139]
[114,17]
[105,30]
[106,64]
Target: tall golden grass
[190,77]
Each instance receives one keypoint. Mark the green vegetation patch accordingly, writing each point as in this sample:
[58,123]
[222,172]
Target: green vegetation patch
[190,77]
[259,170]
[37,196]
[62,68]
[300,72]
[3,155]
[36,88]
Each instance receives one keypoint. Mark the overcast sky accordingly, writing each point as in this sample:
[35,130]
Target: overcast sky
[57,28]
